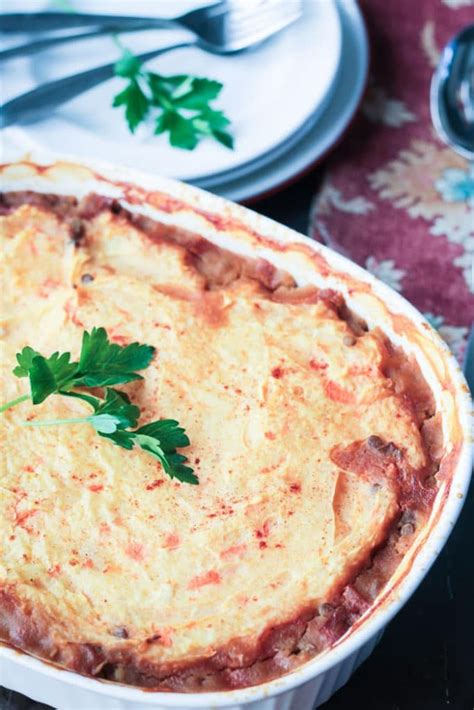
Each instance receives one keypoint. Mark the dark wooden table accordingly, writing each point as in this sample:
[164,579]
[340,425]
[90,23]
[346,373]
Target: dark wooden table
[425,660]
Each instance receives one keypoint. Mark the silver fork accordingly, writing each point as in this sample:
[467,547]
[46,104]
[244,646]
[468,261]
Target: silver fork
[241,26]
[229,26]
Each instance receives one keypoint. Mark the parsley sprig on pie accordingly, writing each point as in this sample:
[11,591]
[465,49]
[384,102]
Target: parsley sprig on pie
[114,417]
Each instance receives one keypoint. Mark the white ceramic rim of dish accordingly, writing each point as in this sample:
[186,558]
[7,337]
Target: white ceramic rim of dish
[423,559]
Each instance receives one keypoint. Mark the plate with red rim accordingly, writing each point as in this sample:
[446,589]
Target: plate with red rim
[269,94]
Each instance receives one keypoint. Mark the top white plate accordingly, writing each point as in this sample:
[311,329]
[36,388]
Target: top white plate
[269,93]
[273,171]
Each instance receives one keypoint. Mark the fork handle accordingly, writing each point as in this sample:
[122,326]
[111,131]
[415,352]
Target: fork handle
[25,50]
[47,21]
[31,106]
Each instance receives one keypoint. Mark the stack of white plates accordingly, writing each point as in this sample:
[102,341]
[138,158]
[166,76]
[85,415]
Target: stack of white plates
[289,99]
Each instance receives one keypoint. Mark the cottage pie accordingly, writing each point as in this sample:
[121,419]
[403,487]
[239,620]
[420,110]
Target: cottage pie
[315,441]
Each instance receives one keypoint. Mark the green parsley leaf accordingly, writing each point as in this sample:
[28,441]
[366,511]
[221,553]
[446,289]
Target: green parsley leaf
[42,380]
[161,90]
[212,123]
[185,474]
[174,80]
[121,437]
[118,406]
[164,89]
[93,401]
[160,439]
[182,132]
[103,363]
[135,102]
[181,100]
[214,119]
[172,463]
[224,137]
[48,376]
[128,65]
[168,432]
[200,92]
[183,87]
[24,360]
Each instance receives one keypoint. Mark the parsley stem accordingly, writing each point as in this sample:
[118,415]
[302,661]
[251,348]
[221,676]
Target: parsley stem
[14,402]
[49,422]
[118,42]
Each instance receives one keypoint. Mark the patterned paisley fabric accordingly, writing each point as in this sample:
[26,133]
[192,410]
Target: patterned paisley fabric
[395,199]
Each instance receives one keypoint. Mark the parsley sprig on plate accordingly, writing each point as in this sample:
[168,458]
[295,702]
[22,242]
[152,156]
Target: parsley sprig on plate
[181,103]
[102,364]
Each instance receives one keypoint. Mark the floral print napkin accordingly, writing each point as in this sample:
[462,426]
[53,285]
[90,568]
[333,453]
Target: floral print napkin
[395,199]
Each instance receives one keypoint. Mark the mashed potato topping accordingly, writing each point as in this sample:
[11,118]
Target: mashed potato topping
[99,549]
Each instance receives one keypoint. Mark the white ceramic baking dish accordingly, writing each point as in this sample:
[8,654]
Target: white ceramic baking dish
[245,232]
